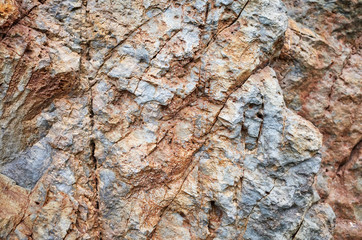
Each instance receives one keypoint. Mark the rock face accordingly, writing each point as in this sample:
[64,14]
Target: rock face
[180,119]
[320,72]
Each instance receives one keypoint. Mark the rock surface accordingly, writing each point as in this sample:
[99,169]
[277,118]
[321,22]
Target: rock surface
[180,119]
[320,72]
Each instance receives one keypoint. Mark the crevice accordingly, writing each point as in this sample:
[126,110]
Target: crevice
[67,233]
[238,188]
[95,179]
[301,222]
[24,215]
[241,11]
[157,145]
[93,162]
[153,57]
[214,37]
[173,109]
[260,115]
[331,93]
[206,12]
[243,134]
[255,205]
[94,165]
[163,210]
[108,55]
[237,86]
[215,215]
[191,167]
[297,231]
[163,45]
[355,151]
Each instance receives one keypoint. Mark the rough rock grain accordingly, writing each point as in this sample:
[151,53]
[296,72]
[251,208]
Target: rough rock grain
[179,120]
[320,72]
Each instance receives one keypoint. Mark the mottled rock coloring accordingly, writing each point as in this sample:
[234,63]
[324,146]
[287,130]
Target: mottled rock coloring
[189,119]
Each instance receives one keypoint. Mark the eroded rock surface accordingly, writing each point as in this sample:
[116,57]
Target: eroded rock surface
[178,120]
[320,72]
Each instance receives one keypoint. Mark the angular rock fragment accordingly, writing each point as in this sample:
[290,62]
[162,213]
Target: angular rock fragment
[13,200]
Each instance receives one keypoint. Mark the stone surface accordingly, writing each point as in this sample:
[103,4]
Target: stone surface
[320,72]
[14,200]
[179,119]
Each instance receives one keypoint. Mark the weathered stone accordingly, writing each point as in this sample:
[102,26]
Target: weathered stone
[13,202]
[178,120]
[320,72]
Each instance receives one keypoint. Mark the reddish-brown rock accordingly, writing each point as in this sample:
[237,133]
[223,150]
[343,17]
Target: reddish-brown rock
[320,72]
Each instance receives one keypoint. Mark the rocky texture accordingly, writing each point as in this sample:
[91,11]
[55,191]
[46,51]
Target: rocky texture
[167,119]
[320,72]
[14,200]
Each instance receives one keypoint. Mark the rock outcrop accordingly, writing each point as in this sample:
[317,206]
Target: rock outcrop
[180,119]
[320,72]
